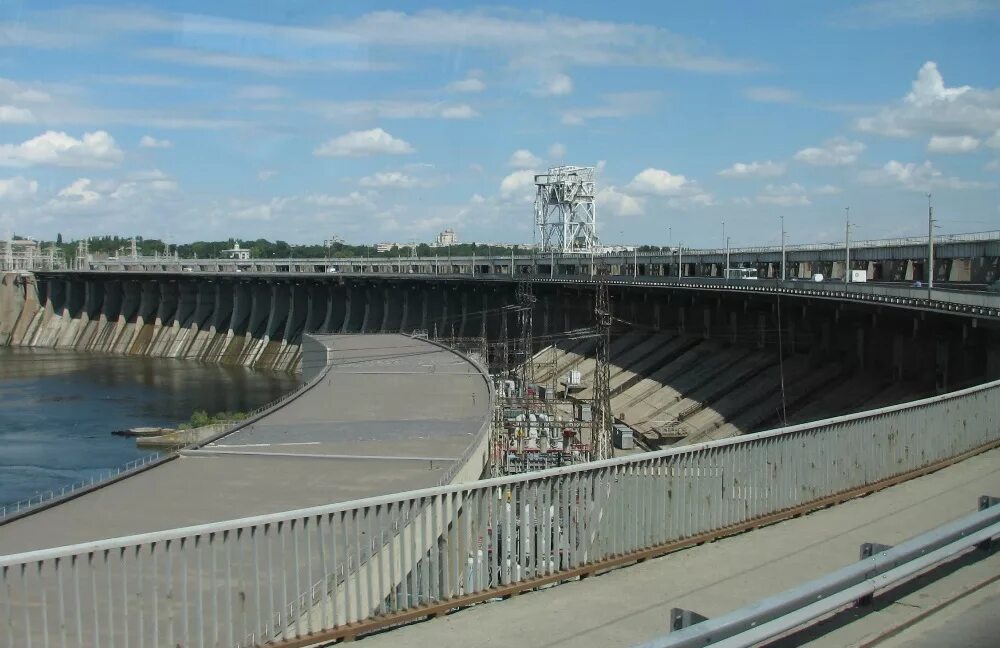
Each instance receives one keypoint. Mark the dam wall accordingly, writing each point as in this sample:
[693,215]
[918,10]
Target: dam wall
[259,320]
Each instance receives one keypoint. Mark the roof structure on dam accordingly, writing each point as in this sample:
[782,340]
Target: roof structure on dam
[393,413]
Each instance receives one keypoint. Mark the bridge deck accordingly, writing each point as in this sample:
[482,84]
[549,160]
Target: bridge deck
[393,414]
[631,605]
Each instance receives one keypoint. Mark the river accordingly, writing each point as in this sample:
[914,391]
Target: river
[58,409]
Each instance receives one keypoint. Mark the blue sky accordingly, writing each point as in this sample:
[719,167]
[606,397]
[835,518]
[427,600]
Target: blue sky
[306,119]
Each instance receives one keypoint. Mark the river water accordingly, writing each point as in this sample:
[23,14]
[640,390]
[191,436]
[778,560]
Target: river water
[58,408]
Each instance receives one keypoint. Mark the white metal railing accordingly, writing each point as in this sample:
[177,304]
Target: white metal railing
[519,258]
[224,583]
[98,477]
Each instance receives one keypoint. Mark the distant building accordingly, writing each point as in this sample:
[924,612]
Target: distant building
[447,237]
[385,247]
[236,253]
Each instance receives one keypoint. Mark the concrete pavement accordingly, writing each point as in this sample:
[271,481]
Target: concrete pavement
[393,414]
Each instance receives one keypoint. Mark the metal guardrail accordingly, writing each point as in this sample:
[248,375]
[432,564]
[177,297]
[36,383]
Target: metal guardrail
[539,257]
[101,476]
[389,558]
[794,608]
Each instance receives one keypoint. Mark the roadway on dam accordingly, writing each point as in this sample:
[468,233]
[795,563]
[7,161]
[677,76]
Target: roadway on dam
[391,414]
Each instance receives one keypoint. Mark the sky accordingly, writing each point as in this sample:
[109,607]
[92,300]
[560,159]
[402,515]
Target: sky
[309,119]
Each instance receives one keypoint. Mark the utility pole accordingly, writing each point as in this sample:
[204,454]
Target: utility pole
[930,247]
[635,261]
[727,258]
[782,247]
[601,416]
[680,259]
[847,246]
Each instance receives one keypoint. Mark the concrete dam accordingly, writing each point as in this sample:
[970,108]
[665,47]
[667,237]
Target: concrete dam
[689,363]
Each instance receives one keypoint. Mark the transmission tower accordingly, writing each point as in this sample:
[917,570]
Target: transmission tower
[526,306]
[601,406]
[565,213]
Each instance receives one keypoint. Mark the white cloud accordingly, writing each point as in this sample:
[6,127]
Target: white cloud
[933,108]
[952,144]
[770,94]
[17,188]
[258,64]
[838,151]
[619,203]
[681,192]
[143,183]
[556,85]
[613,106]
[78,192]
[519,185]
[528,38]
[789,195]
[363,143]
[461,111]
[765,169]
[394,179]
[260,92]
[658,182]
[826,190]
[917,177]
[993,165]
[877,13]
[352,200]
[524,159]
[994,141]
[538,37]
[15,115]
[477,199]
[373,109]
[557,151]
[97,149]
[266,174]
[148,141]
[468,84]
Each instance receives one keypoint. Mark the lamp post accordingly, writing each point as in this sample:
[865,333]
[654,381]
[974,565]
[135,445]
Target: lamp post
[930,247]
[727,258]
[847,245]
[783,248]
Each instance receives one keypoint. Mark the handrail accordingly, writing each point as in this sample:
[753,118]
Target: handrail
[447,546]
[793,608]
[424,493]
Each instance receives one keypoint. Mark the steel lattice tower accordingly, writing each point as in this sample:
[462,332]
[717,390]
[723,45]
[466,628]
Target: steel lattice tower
[565,213]
[601,405]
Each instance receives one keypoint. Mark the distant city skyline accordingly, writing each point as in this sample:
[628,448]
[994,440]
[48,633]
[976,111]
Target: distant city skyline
[396,123]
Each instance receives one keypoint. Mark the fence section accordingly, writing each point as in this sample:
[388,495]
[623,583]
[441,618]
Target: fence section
[328,569]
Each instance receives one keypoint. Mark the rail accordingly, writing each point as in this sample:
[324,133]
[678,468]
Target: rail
[398,557]
[786,611]
[16,508]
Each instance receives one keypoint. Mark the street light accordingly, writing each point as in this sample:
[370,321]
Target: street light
[727,258]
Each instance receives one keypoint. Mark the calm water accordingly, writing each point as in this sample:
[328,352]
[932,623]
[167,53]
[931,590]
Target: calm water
[58,408]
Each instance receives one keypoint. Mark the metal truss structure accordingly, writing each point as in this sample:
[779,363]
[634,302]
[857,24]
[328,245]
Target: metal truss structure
[565,212]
